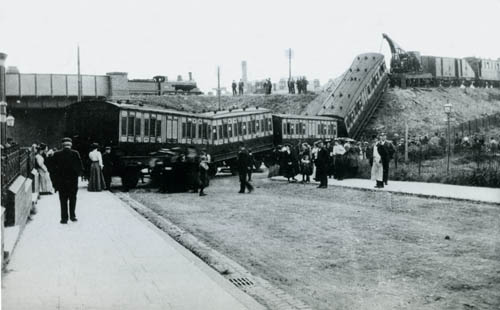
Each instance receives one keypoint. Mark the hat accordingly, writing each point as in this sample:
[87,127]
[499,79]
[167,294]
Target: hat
[94,145]
[66,142]
[107,148]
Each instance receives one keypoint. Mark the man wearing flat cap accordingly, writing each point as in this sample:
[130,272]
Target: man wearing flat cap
[67,167]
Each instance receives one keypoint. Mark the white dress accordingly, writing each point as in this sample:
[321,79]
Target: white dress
[44,176]
[377,169]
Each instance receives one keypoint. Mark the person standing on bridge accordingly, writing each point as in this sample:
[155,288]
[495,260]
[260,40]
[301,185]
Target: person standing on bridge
[67,167]
[233,86]
[240,87]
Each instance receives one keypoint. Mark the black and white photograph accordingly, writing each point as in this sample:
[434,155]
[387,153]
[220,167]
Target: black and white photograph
[250,155]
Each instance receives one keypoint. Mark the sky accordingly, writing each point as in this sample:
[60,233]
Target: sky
[163,37]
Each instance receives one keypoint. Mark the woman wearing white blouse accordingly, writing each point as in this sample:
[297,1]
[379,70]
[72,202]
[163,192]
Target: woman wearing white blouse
[96,179]
[45,183]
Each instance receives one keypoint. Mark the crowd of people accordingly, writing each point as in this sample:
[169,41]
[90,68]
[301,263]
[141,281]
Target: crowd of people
[338,159]
[301,84]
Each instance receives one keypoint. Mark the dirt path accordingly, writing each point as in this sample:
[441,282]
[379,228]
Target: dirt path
[348,249]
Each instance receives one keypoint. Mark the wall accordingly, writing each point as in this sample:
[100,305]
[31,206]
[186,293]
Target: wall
[38,125]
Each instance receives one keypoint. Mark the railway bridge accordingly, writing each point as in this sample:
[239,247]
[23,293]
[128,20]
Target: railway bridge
[37,100]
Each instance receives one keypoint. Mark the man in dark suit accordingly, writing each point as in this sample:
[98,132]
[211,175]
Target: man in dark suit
[67,167]
[386,155]
[322,165]
[243,164]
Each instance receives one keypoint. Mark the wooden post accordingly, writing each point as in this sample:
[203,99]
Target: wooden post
[406,142]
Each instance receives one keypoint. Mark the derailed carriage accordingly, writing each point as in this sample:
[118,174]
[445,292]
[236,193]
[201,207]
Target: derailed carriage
[137,133]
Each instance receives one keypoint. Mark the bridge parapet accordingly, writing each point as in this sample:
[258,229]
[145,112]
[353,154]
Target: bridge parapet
[55,85]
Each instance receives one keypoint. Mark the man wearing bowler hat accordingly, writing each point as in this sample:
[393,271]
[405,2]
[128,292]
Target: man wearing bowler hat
[67,167]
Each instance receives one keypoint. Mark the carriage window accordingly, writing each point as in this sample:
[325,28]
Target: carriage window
[188,129]
[138,126]
[158,129]
[297,129]
[253,126]
[124,124]
[235,129]
[146,126]
[221,134]
[184,130]
[152,126]
[262,125]
[131,121]
[240,131]
[214,132]
[257,126]
[288,129]
[200,131]
[244,126]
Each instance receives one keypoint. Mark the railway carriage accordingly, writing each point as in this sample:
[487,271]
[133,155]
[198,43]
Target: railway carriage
[355,98]
[293,129]
[135,131]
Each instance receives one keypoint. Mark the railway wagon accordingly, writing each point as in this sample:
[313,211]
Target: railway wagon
[485,69]
[357,96]
[136,131]
[293,129]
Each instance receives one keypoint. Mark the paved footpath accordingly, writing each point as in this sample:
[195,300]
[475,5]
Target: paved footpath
[112,258]
[470,193]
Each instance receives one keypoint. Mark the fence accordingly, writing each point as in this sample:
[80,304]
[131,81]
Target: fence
[467,159]
[15,161]
[472,127]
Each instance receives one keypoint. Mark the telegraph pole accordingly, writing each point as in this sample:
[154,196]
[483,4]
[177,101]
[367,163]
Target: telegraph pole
[218,84]
[79,76]
[289,64]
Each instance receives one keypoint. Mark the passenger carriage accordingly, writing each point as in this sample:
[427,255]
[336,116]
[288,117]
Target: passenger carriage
[136,130]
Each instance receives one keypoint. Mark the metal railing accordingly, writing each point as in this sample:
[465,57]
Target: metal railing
[15,161]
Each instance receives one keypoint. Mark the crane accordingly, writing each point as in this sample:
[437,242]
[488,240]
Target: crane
[402,61]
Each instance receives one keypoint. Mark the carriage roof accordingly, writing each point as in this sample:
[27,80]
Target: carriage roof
[305,117]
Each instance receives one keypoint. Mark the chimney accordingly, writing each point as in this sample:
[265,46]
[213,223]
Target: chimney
[179,78]
[244,75]
[190,76]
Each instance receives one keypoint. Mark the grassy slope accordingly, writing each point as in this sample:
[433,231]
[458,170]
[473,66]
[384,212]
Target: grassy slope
[293,104]
[424,112]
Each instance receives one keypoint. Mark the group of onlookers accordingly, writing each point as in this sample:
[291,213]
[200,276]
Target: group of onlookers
[301,84]
[337,158]
[240,86]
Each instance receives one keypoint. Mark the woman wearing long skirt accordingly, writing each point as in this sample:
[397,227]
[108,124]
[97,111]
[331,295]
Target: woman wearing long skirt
[96,179]
[377,169]
[44,176]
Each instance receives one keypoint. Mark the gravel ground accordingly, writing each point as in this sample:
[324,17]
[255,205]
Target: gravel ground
[348,249]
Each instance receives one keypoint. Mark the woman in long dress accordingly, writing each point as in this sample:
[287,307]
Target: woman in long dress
[44,176]
[377,169]
[96,179]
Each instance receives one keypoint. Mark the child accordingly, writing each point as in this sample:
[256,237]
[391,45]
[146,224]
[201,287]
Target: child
[306,168]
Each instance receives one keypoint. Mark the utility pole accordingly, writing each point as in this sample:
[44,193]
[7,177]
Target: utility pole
[218,84]
[289,63]
[79,76]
